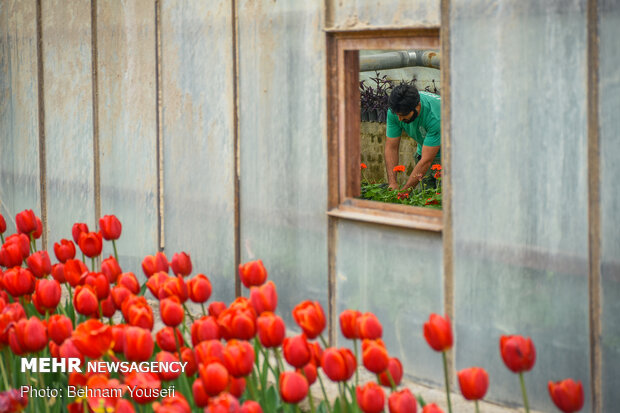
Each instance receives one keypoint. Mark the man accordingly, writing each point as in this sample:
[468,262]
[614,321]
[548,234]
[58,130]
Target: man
[418,114]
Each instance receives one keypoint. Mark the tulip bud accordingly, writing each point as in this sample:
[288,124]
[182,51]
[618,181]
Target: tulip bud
[18,281]
[73,270]
[348,323]
[28,336]
[77,230]
[199,288]
[59,328]
[297,351]
[216,308]
[252,273]
[369,327]
[567,395]
[90,243]
[118,337]
[293,387]
[201,398]
[438,333]
[271,330]
[85,301]
[310,317]
[375,356]
[238,357]
[39,263]
[129,281]
[155,263]
[431,408]
[370,398]
[166,340]
[111,269]
[205,328]
[395,369]
[225,402]
[171,311]
[338,364]
[250,406]
[518,353]
[99,283]
[110,227]
[46,296]
[214,377]
[26,221]
[402,402]
[2,224]
[474,383]
[167,357]
[181,264]
[65,250]
[264,298]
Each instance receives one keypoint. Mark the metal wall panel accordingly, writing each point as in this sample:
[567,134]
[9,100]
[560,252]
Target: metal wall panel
[359,14]
[68,101]
[282,146]
[19,129]
[397,275]
[126,74]
[197,76]
[609,103]
[520,196]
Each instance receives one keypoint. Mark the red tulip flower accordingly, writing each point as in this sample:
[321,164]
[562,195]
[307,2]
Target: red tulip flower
[474,382]
[85,301]
[431,408]
[338,364]
[309,371]
[174,286]
[18,281]
[205,328]
[46,296]
[2,225]
[309,315]
[155,282]
[201,398]
[12,399]
[28,336]
[238,356]
[92,338]
[77,230]
[223,403]
[99,283]
[214,377]
[208,351]
[167,357]
[236,386]
[567,395]
[348,323]
[438,333]
[297,351]
[73,270]
[252,273]
[137,312]
[39,263]
[188,356]
[129,281]
[370,398]
[216,308]
[146,381]
[238,321]
[369,327]
[118,338]
[166,341]
[171,311]
[264,298]
[396,371]
[138,344]
[181,264]
[402,402]
[518,353]
[58,273]
[110,227]
[26,221]
[11,253]
[199,288]
[119,295]
[90,243]
[374,356]
[271,330]
[293,387]
[250,406]
[111,269]
[155,263]
[59,328]
[65,250]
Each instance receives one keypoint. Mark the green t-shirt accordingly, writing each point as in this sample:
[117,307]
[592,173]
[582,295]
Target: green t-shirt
[425,129]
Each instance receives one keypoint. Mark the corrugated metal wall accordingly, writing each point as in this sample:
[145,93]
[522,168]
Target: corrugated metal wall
[144,125]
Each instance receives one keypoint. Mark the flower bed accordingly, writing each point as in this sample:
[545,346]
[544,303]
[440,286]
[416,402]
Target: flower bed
[72,356]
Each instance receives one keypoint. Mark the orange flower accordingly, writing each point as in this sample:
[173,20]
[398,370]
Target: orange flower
[431,201]
[399,168]
[92,338]
[436,167]
[363,166]
[437,175]
[403,195]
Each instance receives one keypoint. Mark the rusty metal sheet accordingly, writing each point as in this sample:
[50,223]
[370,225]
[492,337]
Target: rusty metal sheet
[199,203]
[609,103]
[68,104]
[520,197]
[364,14]
[19,130]
[398,275]
[282,146]
[127,104]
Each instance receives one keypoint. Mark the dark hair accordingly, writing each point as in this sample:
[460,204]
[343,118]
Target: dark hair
[403,99]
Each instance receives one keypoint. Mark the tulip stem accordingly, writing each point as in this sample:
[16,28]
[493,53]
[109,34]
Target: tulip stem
[115,252]
[41,383]
[204,313]
[2,238]
[525,402]
[445,373]
[477,408]
[324,341]
[4,377]
[329,408]
[92,264]
[33,244]
[188,313]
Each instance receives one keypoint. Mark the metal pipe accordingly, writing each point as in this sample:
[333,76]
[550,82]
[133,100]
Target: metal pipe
[398,59]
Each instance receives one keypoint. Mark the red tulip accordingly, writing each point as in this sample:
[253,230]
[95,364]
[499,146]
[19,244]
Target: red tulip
[174,286]
[11,313]
[199,288]
[171,311]
[155,263]
[348,323]
[146,381]
[293,387]
[99,283]
[250,406]
[77,230]
[90,243]
[310,317]
[172,404]
[369,327]
[12,400]
[238,321]
[374,356]
[129,281]
[567,395]
[238,357]
[214,377]
[431,408]
[118,337]
[18,281]
[137,344]
[155,282]
[271,330]
[338,364]
[216,308]
[396,371]
[205,328]
[264,298]
[181,264]
[297,351]
[224,403]
[85,301]
[138,312]
[201,398]
[518,353]
[11,252]
[252,273]
[92,338]
[73,270]
[402,402]
[370,398]
[26,221]
[59,328]
[46,296]
[58,273]
[166,340]
[208,351]
[167,357]
[317,353]
[309,371]
[474,382]
[187,356]
[28,336]
[65,250]
[111,269]
[236,386]
[110,227]
[39,263]
[438,333]
[119,295]
[2,224]
[124,406]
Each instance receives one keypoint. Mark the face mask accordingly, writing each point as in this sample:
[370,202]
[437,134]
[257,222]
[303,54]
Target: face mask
[412,118]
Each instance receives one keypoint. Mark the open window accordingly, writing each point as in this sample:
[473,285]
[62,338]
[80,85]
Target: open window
[345,123]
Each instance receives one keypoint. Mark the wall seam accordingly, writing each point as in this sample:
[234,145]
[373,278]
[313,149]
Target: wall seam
[594,207]
[95,102]
[41,120]
[159,144]
[236,146]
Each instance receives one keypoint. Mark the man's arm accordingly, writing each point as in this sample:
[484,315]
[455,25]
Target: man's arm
[391,151]
[428,155]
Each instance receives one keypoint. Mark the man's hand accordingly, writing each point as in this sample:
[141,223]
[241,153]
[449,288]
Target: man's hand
[393,186]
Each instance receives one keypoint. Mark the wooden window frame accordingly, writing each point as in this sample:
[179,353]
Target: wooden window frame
[344,152]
